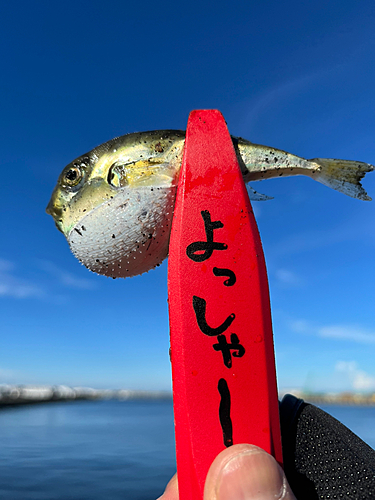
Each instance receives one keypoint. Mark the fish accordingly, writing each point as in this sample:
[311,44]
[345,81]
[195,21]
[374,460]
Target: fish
[115,203]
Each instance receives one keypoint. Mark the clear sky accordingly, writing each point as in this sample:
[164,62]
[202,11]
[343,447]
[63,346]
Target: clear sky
[299,76]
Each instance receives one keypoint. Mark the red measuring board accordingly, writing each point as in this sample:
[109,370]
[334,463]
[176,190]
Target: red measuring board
[223,367]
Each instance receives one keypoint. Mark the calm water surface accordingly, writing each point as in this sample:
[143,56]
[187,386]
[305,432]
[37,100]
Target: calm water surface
[86,450]
[359,419]
[100,450]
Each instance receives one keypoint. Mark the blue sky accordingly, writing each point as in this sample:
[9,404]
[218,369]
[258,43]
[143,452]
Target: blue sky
[299,76]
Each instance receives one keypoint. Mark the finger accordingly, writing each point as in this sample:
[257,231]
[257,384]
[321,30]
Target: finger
[171,491]
[246,472]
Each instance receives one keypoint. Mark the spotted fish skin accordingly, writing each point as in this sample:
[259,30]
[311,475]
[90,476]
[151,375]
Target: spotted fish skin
[115,204]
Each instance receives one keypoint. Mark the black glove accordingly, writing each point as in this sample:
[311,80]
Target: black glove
[323,459]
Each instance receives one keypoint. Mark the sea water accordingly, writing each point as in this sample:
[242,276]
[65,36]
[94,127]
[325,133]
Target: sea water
[103,450]
[87,450]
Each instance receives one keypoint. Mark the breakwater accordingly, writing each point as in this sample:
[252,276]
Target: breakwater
[346,398]
[13,395]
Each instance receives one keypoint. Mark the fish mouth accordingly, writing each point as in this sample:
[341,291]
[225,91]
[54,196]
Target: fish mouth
[56,213]
[50,208]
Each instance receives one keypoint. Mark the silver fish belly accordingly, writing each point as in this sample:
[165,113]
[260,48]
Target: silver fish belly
[128,235]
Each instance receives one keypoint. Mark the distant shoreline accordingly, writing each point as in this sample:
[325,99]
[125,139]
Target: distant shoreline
[345,398]
[19,395]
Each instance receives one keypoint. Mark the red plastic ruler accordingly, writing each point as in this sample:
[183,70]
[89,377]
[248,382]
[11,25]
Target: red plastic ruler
[223,367]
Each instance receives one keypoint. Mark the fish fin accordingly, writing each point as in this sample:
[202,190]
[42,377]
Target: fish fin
[343,175]
[255,196]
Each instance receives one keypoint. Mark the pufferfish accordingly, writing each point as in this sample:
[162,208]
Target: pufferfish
[115,204]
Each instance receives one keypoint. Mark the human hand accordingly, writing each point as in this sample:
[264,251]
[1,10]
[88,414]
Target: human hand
[241,472]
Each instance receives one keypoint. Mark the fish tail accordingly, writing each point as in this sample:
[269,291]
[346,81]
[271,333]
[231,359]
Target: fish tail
[343,175]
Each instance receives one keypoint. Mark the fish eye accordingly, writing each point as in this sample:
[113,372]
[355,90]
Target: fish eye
[72,176]
[117,176]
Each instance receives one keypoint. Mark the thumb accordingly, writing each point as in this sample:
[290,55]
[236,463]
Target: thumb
[246,472]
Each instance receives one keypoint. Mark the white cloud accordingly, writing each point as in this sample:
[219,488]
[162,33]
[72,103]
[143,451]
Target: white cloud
[263,103]
[354,333]
[288,278]
[15,286]
[345,366]
[12,286]
[315,239]
[300,326]
[65,278]
[346,332]
[360,380]
[349,230]
[6,266]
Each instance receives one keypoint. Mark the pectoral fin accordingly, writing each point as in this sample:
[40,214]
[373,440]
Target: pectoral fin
[255,196]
